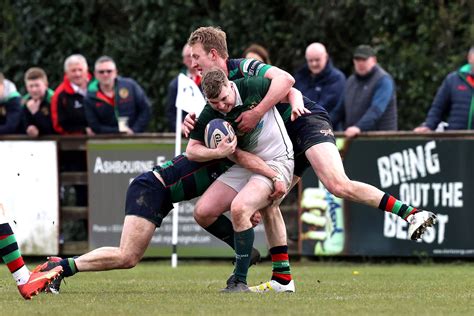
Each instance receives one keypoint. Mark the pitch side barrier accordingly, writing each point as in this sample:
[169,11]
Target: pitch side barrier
[431,171]
[67,195]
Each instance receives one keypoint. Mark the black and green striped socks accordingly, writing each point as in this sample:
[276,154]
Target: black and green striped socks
[11,255]
[280,264]
[69,267]
[392,205]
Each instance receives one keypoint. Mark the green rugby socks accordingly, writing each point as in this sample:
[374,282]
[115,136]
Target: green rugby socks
[223,230]
[243,249]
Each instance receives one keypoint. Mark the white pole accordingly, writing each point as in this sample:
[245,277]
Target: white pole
[177,151]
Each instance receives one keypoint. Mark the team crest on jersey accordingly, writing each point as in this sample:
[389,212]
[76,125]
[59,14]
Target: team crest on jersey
[326,132]
[123,93]
[45,111]
[3,111]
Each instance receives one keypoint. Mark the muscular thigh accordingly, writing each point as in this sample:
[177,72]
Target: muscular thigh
[306,132]
[327,163]
[216,200]
[254,195]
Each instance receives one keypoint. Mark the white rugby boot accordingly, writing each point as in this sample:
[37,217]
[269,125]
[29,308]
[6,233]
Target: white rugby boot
[273,286]
[419,222]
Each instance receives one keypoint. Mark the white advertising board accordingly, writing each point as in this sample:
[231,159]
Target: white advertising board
[29,194]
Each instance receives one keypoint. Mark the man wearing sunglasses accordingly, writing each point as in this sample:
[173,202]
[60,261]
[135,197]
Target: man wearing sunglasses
[115,104]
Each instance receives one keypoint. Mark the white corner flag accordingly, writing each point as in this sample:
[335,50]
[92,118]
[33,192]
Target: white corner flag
[189,99]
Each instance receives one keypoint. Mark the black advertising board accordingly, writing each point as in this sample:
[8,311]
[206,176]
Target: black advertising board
[435,175]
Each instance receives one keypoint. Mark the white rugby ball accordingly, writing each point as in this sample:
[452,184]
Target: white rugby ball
[215,131]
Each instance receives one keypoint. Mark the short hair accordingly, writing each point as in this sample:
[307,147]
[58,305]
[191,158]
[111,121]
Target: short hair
[103,59]
[35,73]
[75,59]
[2,77]
[210,37]
[260,51]
[212,82]
[471,50]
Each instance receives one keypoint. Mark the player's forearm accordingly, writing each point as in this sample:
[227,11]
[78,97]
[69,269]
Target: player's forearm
[278,90]
[200,153]
[295,98]
[253,163]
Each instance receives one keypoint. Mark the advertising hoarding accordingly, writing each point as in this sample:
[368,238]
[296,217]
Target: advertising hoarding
[112,165]
[29,194]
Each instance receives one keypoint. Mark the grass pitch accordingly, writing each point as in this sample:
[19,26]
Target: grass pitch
[192,289]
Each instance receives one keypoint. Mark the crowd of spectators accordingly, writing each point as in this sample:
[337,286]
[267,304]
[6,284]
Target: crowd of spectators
[81,104]
[105,103]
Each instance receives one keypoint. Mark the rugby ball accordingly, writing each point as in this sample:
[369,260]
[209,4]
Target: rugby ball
[215,131]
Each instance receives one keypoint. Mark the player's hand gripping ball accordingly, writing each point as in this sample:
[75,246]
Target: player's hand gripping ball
[215,131]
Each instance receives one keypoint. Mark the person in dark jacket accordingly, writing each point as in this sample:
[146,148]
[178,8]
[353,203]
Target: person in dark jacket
[454,100]
[10,107]
[37,104]
[318,79]
[67,108]
[369,102]
[115,104]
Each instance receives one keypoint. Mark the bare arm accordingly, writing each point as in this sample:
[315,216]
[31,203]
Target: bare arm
[295,98]
[257,165]
[279,88]
[252,162]
[197,151]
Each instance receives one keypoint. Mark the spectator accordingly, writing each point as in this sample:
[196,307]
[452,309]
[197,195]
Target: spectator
[67,109]
[37,103]
[369,102]
[190,72]
[318,79]
[454,100]
[257,52]
[115,104]
[10,107]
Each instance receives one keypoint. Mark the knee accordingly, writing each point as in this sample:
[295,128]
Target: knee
[341,188]
[129,261]
[239,211]
[200,212]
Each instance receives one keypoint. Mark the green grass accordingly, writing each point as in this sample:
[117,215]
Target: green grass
[192,289]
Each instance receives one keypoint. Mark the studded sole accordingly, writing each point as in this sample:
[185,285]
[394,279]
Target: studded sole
[421,230]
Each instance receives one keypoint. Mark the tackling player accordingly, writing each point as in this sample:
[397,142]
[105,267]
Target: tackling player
[149,199]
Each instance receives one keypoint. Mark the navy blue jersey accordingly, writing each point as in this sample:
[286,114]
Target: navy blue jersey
[188,179]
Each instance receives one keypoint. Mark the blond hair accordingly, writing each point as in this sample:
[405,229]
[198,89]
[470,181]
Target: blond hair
[212,82]
[210,37]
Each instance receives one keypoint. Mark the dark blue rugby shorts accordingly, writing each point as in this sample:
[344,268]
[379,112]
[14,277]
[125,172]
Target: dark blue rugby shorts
[148,198]
[305,132]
